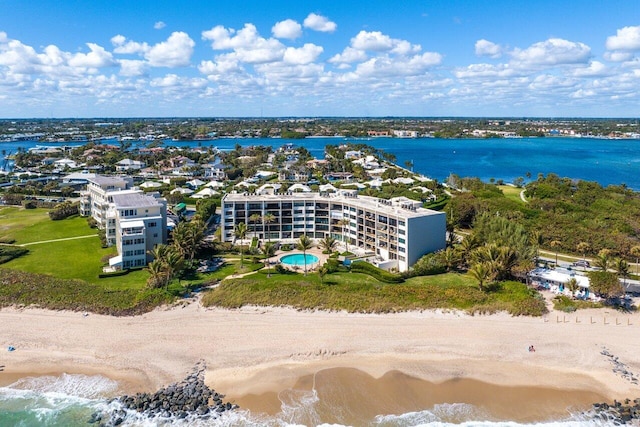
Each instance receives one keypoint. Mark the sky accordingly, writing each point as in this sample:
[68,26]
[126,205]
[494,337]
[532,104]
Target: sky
[333,58]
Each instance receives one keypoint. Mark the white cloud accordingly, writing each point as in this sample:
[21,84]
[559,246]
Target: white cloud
[487,48]
[618,56]
[389,67]
[303,55]
[319,23]
[176,51]
[97,58]
[553,52]
[287,29]
[349,55]
[627,39]
[377,42]
[483,71]
[594,69]
[133,67]
[247,45]
[159,25]
[128,47]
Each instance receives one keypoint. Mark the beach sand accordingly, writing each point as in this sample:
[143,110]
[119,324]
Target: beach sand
[257,356]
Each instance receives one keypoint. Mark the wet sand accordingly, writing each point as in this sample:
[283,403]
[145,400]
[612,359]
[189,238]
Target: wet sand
[350,396]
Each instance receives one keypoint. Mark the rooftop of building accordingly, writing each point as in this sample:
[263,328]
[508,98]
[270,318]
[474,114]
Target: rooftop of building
[398,206]
[107,180]
[137,200]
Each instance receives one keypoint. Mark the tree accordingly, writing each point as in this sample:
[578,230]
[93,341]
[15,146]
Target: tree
[603,259]
[187,238]
[166,265]
[555,244]
[304,244]
[328,244]
[583,248]
[254,218]
[240,232]
[322,271]
[572,285]
[622,269]
[267,219]
[466,247]
[449,257]
[343,224]
[269,250]
[482,272]
[605,283]
[635,251]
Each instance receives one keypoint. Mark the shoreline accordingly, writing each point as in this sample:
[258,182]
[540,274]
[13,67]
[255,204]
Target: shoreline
[259,351]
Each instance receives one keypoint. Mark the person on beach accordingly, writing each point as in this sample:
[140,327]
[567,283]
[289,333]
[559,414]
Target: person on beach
[531,349]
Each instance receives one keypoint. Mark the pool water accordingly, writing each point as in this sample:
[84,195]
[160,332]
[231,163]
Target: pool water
[298,260]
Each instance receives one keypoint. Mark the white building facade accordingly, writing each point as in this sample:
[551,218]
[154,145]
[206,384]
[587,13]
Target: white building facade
[133,221]
[395,233]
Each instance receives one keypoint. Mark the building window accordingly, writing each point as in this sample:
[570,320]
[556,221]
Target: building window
[152,224]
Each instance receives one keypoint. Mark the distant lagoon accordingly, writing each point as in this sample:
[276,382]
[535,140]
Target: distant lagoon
[607,161]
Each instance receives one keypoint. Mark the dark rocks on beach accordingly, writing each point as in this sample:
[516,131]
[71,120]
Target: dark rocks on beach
[189,398]
[618,413]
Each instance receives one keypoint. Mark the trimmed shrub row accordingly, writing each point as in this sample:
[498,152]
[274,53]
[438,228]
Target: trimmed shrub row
[375,272]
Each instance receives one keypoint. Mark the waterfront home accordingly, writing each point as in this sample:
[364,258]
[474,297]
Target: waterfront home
[128,165]
[133,221]
[556,281]
[393,234]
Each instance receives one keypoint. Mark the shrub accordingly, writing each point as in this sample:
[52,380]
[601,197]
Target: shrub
[428,265]
[375,272]
[29,204]
[63,210]
[7,252]
[280,269]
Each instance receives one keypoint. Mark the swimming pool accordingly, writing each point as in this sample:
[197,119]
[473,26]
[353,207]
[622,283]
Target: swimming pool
[297,260]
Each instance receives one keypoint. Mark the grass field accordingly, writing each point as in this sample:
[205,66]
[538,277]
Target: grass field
[511,192]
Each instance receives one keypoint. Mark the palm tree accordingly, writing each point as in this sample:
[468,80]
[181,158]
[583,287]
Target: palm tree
[572,285]
[254,219]
[240,232]
[269,250]
[481,272]
[466,247]
[328,244]
[449,257]
[343,224]
[603,259]
[322,271]
[267,219]
[635,251]
[622,268]
[187,238]
[555,244]
[157,274]
[536,239]
[304,244]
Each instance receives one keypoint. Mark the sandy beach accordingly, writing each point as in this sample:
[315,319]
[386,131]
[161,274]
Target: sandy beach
[253,354]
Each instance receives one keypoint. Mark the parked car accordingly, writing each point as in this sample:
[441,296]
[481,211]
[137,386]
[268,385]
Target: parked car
[582,263]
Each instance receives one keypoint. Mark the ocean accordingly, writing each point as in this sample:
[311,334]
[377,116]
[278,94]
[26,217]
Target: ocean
[70,401]
[607,161]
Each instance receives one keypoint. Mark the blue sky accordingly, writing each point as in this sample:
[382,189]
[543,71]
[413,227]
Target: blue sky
[324,58]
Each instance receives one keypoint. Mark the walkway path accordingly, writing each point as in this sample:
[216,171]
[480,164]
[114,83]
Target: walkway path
[522,196]
[59,240]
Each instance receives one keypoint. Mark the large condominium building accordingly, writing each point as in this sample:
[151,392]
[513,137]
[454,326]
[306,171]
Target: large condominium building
[133,221]
[395,233]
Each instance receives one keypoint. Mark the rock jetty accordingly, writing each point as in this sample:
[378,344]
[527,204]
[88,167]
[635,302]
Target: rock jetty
[190,398]
[619,413]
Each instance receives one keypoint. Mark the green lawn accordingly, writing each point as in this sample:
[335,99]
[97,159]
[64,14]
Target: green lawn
[512,193]
[34,225]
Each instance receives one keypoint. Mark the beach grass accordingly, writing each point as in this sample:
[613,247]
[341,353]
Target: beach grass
[355,292]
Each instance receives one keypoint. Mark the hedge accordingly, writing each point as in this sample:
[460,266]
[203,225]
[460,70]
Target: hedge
[375,272]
